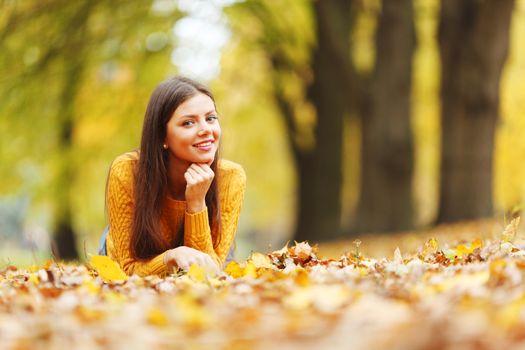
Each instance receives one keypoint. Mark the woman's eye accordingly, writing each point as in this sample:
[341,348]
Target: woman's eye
[211,118]
[187,123]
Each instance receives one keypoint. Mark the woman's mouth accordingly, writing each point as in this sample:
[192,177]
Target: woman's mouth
[204,146]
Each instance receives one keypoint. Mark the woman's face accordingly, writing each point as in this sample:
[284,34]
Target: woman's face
[193,131]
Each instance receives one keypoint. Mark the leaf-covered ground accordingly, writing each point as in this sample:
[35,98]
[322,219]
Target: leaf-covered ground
[461,296]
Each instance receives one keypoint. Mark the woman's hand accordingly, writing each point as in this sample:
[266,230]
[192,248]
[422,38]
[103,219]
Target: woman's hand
[198,177]
[184,257]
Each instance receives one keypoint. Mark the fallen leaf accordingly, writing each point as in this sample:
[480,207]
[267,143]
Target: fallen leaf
[107,269]
[509,234]
[157,317]
[250,270]
[234,269]
[196,273]
[261,260]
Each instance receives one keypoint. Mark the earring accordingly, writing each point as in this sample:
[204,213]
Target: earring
[165,146]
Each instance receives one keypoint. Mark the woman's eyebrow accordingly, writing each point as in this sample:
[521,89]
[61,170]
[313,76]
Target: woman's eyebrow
[195,115]
[188,116]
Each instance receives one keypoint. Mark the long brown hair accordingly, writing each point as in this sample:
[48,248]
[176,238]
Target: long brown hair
[151,174]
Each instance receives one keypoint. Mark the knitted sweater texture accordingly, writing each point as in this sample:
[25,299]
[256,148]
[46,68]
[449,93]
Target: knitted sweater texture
[197,232]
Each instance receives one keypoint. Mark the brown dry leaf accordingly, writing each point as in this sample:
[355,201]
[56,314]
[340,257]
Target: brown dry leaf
[51,292]
[303,252]
[472,294]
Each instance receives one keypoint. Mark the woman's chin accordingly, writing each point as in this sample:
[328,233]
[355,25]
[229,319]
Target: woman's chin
[207,160]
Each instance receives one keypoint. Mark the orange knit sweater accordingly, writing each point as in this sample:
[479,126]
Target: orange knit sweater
[197,233]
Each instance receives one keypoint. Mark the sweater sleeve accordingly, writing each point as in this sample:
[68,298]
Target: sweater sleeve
[197,233]
[120,209]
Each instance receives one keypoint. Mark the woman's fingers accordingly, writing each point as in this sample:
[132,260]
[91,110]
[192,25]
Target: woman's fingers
[203,170]
[183,264]
[189,179]
[194,174]
[212,264]
[184,257]
[199,260]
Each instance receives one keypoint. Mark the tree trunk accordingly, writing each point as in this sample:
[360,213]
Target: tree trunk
[473,40]
[320,170]
[65,237]
[65,245]
[385,202]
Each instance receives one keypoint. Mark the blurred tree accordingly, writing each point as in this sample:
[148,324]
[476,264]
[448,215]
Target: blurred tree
[385,202]
[320,168]
[316,147]
[73,58]
[330,82]
[49,48]
[473,41]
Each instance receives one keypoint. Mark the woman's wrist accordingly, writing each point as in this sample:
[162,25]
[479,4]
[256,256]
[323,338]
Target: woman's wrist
[195,207]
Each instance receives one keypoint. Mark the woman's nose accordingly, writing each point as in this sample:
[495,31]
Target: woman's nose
[205,128]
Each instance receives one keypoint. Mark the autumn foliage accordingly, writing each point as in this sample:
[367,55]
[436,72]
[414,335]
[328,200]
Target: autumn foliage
[469,295]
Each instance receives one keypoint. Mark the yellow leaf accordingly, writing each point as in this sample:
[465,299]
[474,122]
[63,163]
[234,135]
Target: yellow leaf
[194,315]
[33,278]
[48,264]
[510,231]
[363,271]
[89,315]
[301,277]
[430,247]
[461,250]
[107,269]
[33,268]
[91,286]
[197,273]
[114,297]
[234,269]
[497,266]
[157,317]
[477,243]
[261,260]
[250,270]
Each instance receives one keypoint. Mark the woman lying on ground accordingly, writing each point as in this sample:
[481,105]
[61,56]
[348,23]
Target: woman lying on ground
[173,203]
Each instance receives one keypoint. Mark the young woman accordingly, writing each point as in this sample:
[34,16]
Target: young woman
[173,203]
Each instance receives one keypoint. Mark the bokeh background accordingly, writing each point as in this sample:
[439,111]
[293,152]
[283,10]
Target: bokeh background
[349,116]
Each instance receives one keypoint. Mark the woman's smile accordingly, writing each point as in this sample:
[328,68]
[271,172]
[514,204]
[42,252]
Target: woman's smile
[205,146]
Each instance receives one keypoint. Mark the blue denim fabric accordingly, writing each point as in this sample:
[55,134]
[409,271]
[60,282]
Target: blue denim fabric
[102,250]
[102,243]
